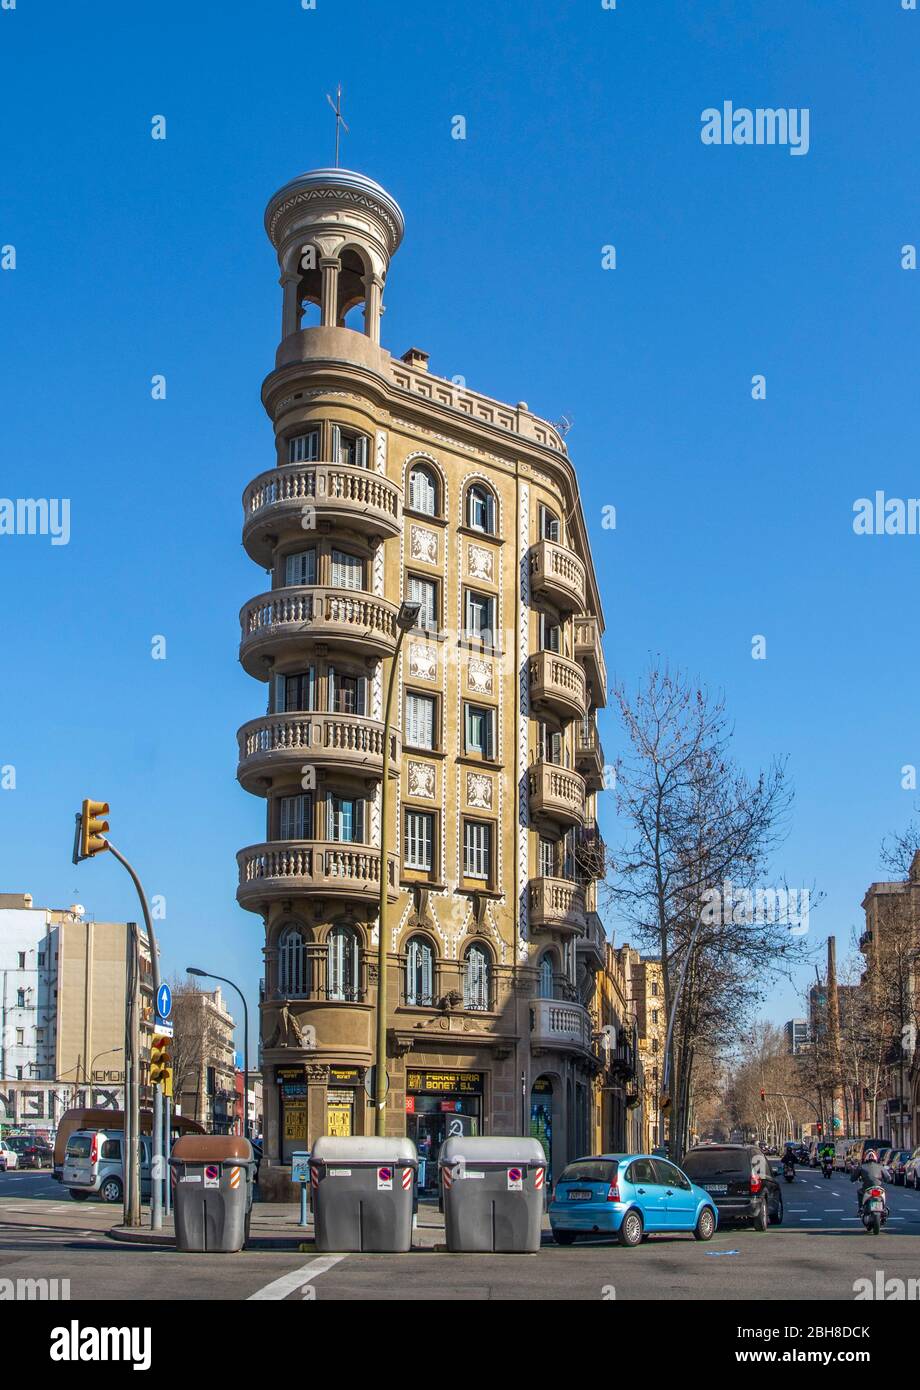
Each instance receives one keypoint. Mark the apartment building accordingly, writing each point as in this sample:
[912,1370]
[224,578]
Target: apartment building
[388,484]
[204,1061]
[891,946]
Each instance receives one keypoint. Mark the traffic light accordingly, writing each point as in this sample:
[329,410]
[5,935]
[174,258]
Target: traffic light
[762,1095]
[92,828]
[820,1129]
[160,1067]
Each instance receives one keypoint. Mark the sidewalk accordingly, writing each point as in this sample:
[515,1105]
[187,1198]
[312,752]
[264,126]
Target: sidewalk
[276,1226]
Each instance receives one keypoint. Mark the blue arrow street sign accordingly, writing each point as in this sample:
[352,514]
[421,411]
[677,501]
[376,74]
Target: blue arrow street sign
[164,1001]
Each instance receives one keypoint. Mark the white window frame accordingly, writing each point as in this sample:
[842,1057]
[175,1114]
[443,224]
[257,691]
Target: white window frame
[345,568]
[550,525]
[419,840]
[296,813]
[304,448]
[423,490]
[479,498]
[417,724]
[425,592]
[477,980]
[300,568]
[335,819]
[473,601]
[477,850]
[487,750]
[360,443]
[280,691]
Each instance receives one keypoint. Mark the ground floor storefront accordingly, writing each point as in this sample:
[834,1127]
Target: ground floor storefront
[433,1095]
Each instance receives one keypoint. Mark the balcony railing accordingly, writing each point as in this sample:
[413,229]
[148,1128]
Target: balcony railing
[345,617]
[592,945]
[559,683]
[339,494]
[284,742]
[588,649]
[557,1024]
[285,868]
[559,575]
[557,904]
[557,793]
[589,754]
[455,985]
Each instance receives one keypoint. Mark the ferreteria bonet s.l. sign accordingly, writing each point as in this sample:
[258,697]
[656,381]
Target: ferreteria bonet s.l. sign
[467,1082]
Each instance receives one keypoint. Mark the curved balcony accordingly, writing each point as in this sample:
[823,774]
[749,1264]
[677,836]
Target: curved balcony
[557,904]
[345,618]
[588,649]
[298,496]
[559,684]
[589,755]
[556,793]
[556,1025]
[558,575]
[283,743]
[288,868]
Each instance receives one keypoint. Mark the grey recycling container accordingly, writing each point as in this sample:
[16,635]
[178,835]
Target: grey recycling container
[213,1178]
[493,1192]
[363,1190]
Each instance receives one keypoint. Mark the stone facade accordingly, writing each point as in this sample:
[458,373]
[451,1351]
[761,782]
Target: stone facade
[391,484]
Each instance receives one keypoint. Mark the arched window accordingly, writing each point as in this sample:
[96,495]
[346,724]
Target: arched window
[546,983]
[480,509]
[423,490]
[477,978]
[342,964]
[419,971]
[293,964]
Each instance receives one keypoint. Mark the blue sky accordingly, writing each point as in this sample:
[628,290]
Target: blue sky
[734,516]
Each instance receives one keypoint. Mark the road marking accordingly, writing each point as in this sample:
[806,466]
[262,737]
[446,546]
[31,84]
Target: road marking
[815,1219]
[280,1288]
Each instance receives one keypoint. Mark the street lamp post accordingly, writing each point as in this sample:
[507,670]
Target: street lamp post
[406,619]
[207,975]
[106,1053]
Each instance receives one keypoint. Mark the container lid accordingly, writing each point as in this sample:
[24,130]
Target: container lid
[212,1148]
[492,1149]
[364,1149]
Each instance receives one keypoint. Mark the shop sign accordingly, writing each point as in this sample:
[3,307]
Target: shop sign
[443,1082]
[344,1076]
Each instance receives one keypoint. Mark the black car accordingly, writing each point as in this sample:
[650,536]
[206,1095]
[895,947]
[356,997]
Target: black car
[32,1152]
[739,1180]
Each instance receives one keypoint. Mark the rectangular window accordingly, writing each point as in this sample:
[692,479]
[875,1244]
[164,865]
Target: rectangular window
[420,721]
[479,616]
[41,960]
[550,635]
[347,571]
[347,694]
[349,447]
[39,1035]
[295,692]
[479,726]
[425,592]
[300,568]
[550,745]
[20,998]
[22,960]
[346,819]
[20,1036]
[547,858]
[304,448]
[549,525]
[296,817]
[568,855]
[420,840]
[477,849]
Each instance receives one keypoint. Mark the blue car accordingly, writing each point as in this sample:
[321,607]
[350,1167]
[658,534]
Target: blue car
[628,1196]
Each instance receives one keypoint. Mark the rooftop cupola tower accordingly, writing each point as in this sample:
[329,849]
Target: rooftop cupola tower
[334,232]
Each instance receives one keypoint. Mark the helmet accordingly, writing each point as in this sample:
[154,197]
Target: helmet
[871,1156]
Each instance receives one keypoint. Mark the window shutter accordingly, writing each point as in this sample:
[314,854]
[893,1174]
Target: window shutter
[330,690]
[361,697]
[358,830]
[336,444]
[361,451]
[278,695]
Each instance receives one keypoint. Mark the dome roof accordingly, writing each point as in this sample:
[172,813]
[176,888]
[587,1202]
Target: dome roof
[324,185]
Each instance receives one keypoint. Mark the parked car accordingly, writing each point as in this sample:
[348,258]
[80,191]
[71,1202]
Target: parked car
[93,1163]
[884,1158]
[912,1170]
[31,1152]
[8,1156]
[897,1164]
[630,1196]
[864,1145]
[740,1182]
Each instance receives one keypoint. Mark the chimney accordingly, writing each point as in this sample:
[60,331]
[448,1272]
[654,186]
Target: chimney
[416,358]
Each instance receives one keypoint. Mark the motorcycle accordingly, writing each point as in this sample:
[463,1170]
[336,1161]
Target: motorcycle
[874,1210]
[789,1172]
[827,1167]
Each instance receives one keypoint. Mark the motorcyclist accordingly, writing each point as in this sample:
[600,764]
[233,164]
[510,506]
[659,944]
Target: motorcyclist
[868,1174]
[827,1152]
[789,1157]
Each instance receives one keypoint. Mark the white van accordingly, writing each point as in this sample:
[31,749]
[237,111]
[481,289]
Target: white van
[840,1154]
[94,1163]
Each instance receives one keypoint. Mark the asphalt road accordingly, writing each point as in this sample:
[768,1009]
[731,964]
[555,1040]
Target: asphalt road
[818,1253]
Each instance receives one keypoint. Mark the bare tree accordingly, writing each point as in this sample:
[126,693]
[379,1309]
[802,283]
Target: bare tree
[694,822]
[196,1041]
